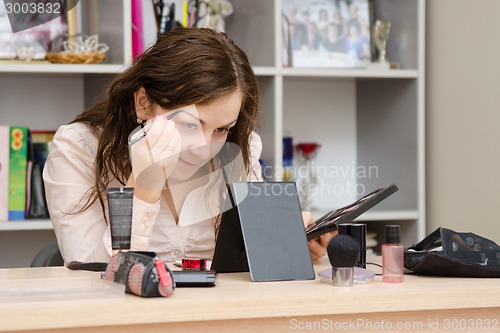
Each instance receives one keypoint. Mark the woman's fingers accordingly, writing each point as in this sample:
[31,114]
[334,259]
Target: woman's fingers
[316,249]
[165,140]
[307,218]
[156,153]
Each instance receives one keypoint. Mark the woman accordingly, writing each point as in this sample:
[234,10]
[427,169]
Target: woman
[205,83]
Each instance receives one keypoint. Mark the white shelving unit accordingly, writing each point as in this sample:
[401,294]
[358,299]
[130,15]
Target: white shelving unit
[45,96]
[362,117]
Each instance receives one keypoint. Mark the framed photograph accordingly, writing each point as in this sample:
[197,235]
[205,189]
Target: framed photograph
[326,33]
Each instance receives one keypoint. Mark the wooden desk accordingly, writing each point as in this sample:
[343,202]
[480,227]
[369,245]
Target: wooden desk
[237,304]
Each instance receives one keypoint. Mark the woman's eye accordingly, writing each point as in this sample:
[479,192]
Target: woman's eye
[190,126]
[222,130]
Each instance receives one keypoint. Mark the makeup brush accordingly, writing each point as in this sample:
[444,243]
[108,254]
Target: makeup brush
[343,252]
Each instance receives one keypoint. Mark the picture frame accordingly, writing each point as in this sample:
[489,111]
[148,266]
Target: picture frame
[327,33]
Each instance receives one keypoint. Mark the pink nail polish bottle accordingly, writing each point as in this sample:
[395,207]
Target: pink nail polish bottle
[392,256]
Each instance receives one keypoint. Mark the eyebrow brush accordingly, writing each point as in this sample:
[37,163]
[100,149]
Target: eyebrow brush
[144,133]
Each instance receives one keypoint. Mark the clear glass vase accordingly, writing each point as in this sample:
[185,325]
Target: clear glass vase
[306,154]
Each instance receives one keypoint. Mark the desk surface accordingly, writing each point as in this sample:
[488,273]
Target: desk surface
[238,304]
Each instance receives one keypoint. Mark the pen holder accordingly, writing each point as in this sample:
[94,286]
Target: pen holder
[358,232]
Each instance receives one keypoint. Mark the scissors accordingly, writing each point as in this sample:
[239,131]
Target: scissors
[198,10]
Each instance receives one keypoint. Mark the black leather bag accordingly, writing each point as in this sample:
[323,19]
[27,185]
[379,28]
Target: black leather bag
[457,254]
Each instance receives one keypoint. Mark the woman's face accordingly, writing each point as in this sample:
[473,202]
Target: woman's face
[203,130]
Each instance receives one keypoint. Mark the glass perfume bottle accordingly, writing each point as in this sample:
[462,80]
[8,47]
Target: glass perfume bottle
[392,256]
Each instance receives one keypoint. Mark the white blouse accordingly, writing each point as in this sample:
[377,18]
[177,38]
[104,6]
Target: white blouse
[84,236]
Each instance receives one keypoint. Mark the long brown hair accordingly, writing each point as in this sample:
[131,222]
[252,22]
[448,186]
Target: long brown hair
[183,67]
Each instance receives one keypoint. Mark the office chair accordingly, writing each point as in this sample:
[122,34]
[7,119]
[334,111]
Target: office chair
[48,256]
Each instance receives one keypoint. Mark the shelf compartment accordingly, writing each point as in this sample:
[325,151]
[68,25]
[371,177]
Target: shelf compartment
[324,111]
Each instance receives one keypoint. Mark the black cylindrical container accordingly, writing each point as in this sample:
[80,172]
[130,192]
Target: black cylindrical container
[358,232]
[344,229]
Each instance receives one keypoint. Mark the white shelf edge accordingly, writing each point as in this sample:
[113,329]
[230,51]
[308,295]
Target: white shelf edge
[383,215]
[355,73]
[62,68]
[339,73]
[368,216]
[259,71]
[26,225]
[264,71]
[389,215]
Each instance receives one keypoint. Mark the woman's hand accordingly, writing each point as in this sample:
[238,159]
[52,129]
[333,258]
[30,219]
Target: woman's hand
[318,245]
[155,156]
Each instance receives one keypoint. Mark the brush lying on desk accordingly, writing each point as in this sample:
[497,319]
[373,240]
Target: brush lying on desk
[342,252]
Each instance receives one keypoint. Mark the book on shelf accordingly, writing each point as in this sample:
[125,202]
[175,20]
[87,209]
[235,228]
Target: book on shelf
[4,172]
[42,136]
[22,158]
[137,28]
[36,204]
[18,158]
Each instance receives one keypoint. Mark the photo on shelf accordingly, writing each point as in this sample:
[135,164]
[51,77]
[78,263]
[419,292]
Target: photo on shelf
[326,33]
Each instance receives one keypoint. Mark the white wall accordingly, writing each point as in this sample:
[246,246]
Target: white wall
[463,116]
